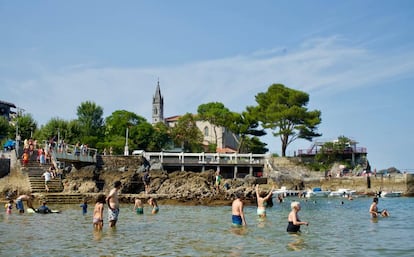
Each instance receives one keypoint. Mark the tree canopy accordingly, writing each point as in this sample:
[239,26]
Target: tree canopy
[283,110]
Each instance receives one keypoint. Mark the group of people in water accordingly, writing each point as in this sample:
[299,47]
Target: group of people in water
[238,216]
[294,222]
[112,201]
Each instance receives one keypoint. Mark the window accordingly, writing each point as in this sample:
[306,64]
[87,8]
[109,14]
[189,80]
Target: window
[206,131]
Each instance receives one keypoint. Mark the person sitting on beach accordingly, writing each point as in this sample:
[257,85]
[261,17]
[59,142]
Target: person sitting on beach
[262,199]
[98,212]
[237,211]
[373,209]
[153,203]
[294,222]
[138,206]
[19,202]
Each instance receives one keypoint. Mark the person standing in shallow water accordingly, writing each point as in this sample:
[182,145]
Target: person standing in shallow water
[98,213]
[153,203]
[138,207]
[237,211]
[294,222]
[113,204]
[262,198]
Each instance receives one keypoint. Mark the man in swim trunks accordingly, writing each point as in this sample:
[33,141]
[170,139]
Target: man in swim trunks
[113,204]
[237,212]
[19,202]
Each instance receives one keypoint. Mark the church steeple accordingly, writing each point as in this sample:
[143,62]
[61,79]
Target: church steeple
[157,106]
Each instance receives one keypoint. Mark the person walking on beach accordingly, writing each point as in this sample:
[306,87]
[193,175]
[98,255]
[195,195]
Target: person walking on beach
[373,209]
[262,199]
[19,202]
[237,211]
[98,212]
[138,207]
[153,203]
[113,204]
[294,222]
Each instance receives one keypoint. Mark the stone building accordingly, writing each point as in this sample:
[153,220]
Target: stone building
[227,141]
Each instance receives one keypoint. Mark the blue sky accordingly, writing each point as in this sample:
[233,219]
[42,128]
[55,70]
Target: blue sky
[354,58]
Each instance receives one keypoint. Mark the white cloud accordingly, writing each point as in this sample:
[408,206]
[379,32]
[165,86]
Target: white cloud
[318,65]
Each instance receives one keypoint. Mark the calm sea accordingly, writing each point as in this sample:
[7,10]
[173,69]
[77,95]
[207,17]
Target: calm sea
[335,230]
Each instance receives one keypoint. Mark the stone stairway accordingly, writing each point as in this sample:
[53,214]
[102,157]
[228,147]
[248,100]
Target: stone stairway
[34,170]
[64,198]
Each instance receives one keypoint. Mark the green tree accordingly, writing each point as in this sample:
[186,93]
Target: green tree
[284,111]
[91,122]
[186,134]
[6,130]
[243,126]
[27,125]
[216,114]
[160,138]
[254,145]
[55,128]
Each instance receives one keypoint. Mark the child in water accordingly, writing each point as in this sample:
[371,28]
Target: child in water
[9,207]
[154,205]
[138,206]
[84,207]
[98,212]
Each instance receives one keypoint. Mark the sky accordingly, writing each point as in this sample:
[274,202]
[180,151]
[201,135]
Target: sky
[354,58]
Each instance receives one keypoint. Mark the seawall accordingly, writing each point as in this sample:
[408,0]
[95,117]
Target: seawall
[368,185]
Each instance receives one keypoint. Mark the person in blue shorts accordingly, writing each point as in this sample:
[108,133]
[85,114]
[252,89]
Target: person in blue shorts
[237,211]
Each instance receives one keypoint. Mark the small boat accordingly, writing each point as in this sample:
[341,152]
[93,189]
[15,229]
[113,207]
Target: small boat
[391,194]
[317,192]
[342,192]
[285,192]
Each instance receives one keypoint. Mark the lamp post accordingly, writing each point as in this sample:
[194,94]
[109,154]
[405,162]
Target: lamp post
[126,149]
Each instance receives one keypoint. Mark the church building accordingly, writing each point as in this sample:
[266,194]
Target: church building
[227,141]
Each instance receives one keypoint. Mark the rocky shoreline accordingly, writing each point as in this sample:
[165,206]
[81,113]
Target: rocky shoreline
[196,188]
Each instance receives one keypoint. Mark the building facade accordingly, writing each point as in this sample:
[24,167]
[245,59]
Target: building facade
[227,142]
[5,109]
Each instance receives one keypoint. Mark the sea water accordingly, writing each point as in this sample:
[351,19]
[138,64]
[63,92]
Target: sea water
[335,229]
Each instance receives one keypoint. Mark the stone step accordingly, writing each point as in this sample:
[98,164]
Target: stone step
[64,198]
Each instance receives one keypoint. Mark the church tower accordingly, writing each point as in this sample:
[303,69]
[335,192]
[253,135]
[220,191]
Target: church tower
[157,106]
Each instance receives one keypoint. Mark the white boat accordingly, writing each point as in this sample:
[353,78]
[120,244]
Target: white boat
[391,194]
[342,192]
[317,192]
[285,192]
